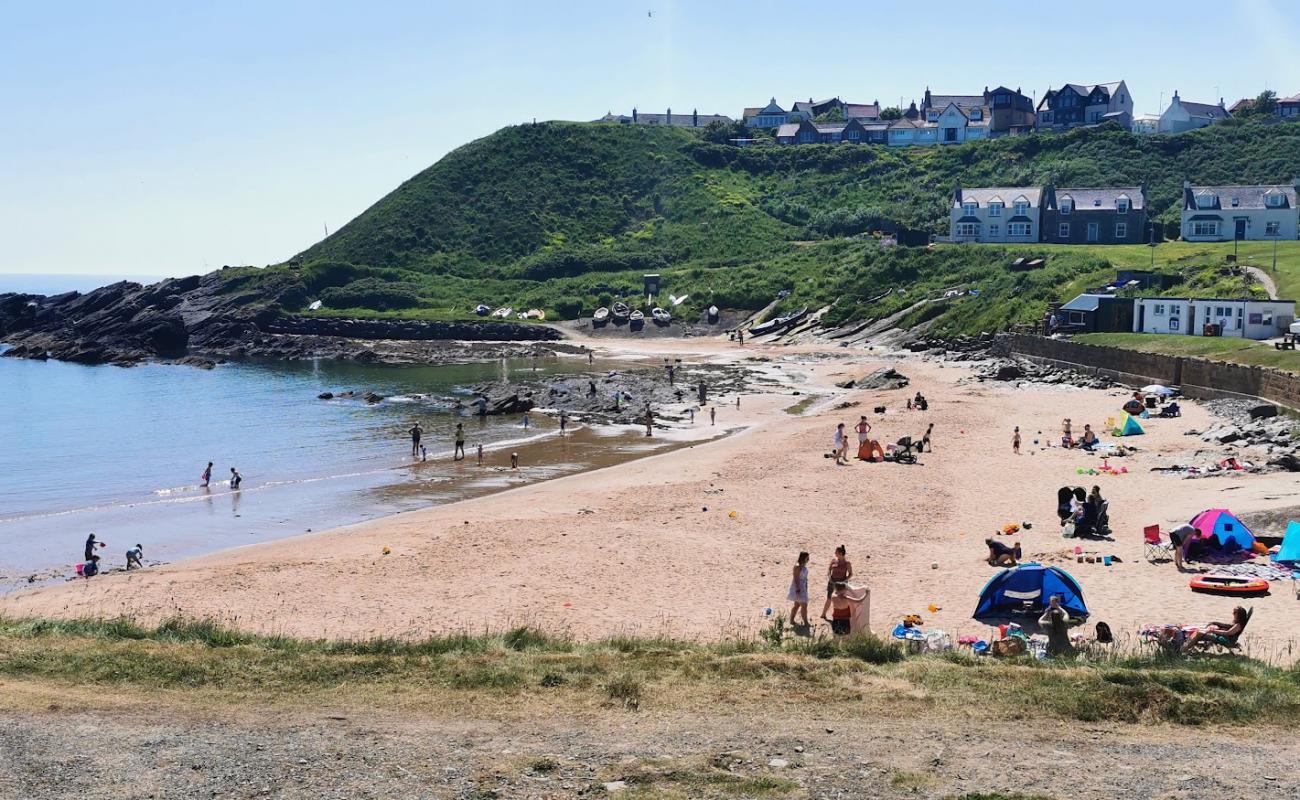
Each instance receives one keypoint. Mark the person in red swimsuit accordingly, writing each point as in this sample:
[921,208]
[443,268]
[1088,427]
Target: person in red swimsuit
[842,615]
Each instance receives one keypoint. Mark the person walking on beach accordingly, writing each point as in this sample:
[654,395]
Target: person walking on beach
[925,440]
[649,421]
[591,357]
[480,454]
[235,479]
[839,571]
[416,432]
[525,420]
[740,337]
[841,445]
[704,394]
[134,557]
[798,594]
[713,415]
[207,475]
[459,453]
[514,461]
[1015,441]
[564,422]
[692,413]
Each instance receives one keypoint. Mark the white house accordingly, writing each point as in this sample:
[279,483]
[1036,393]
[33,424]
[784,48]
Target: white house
[769,116]
[1251,319]
[1222,213]
[996,214]
[1146,124]
[1183,116]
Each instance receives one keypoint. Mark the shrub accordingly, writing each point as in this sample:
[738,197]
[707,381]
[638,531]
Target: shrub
[371,293]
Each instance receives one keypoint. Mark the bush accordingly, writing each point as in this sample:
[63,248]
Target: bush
[371,293]
[569,307]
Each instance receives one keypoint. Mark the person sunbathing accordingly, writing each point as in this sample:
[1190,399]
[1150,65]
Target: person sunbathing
[1089,439]
[1220,633]
[1000,555]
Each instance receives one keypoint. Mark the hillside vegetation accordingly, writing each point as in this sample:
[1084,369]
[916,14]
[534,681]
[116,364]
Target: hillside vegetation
[567,216]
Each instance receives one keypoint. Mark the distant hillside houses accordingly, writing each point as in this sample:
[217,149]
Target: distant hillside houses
[692,120]
[1183,116]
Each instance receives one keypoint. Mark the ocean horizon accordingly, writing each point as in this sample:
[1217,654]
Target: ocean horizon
[60,282]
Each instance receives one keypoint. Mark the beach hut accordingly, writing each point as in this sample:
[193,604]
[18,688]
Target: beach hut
[1290,549]
[1026,589]
[1130,427]
[1219,531]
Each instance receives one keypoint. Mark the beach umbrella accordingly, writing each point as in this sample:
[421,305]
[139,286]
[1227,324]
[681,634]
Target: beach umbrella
[1156,388]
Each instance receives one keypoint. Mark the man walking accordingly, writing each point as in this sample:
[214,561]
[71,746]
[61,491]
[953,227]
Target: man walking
[459,454]
[416,432]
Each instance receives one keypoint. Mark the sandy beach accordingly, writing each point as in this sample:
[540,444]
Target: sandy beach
[653,546]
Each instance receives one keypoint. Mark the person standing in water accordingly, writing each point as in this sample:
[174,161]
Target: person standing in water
[235,479]
[591,356]
[207,475]
[480,454]
[713,415]
[416,432]
[692,411]
[649,421]
[564,422]
[459,453]
[525,420]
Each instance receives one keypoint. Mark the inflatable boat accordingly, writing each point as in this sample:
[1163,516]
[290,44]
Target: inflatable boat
[1228,584]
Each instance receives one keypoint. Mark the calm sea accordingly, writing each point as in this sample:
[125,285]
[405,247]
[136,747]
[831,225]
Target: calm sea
[119,452]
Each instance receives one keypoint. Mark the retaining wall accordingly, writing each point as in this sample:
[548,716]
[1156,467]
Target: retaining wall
[1199,378]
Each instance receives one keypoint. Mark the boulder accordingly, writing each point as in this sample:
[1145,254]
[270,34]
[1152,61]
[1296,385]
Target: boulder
[1009,372]
[1287,461]
[884,378]
[1263,411]
[325,396]
[1228,434]
[371,397]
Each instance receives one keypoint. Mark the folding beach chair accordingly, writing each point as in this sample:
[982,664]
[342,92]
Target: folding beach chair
[1153,547]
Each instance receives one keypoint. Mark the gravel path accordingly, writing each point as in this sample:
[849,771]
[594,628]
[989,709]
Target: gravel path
[342,755]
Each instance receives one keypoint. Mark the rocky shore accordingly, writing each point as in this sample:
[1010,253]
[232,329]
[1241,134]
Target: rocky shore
[203,320]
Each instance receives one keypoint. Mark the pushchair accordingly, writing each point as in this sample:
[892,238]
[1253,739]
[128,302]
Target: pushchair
[905,451]
[1170,410]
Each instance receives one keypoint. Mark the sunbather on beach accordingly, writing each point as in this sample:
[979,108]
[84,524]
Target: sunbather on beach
[1089,439]
[1220,633]
[1000,555]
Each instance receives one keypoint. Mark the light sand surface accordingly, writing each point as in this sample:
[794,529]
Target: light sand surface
[631,548]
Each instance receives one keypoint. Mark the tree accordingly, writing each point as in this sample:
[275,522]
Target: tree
[835,114]
[891,113]
[1265,104]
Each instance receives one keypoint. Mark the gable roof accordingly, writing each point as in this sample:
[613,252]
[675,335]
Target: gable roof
[772,108]
[1295,98]
[862,110]
[1246,196]
[1008,194]
[788,129]
[1100,199]
[1209,110]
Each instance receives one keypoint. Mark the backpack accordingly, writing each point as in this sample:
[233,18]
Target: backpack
[1103,633]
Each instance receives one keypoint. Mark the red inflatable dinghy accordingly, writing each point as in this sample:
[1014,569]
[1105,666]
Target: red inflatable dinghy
[1228,584]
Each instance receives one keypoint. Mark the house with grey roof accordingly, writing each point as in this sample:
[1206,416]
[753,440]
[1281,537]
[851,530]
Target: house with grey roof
[1109,215]
[1289,107]
[1183,115]
[692,120]
[1224,213]
[768,116]
[1076,104]
[995,214]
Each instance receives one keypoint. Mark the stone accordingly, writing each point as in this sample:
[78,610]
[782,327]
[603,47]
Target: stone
[325,396]
[778,763]
[1228,434]
[615,786]
[1264,411]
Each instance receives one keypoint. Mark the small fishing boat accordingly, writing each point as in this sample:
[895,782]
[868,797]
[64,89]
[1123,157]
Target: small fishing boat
[601,317]
[502,313]
[482,310]
[660,316]
[637,320]
[713,315]
[1228,584]
[536,313]
[620,311]
[763,327]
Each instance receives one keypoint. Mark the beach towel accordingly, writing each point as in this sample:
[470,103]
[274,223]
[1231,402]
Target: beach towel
[860,621]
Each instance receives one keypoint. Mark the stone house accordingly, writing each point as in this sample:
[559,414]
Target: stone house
[1112,215]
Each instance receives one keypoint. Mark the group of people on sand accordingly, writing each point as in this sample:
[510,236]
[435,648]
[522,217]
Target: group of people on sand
[235,477]
[89,568]
[841,601]
[1086,441]
[870,449]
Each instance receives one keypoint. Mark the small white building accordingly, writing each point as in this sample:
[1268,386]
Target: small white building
[1224,213]
[1184,116]
[1251,319]
[996,214]
[1146,124]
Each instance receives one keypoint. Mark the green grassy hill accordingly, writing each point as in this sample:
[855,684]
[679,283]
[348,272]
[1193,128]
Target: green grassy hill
[565,216]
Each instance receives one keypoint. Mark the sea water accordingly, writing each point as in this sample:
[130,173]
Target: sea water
[119,452]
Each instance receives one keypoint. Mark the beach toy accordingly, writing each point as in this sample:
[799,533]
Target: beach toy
[387,551]
[932,608]
[1077,549]
[767,612]
[1078,471]
[1105,560]
[731,514]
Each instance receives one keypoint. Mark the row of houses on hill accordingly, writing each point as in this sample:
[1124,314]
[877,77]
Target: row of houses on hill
[1118,215]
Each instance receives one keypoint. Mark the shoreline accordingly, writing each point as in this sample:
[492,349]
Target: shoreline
[608,551]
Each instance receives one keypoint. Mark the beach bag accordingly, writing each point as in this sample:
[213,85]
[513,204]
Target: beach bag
[1103,633]
[1012,646]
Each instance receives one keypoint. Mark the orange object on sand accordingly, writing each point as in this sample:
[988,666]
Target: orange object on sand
[870,450]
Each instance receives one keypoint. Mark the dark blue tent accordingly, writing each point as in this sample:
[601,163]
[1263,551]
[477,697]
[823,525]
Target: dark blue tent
[1026,589]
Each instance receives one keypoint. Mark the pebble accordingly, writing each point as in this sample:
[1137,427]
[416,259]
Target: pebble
[615,786]
[778,763]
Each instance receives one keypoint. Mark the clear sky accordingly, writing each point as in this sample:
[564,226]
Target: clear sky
[174,137]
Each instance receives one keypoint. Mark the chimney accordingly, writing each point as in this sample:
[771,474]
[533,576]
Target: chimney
[695,118]
[633,115]
[669,119]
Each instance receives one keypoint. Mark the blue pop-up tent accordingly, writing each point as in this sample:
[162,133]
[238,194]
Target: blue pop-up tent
[1026,589]
[1290,549]
[1220,531]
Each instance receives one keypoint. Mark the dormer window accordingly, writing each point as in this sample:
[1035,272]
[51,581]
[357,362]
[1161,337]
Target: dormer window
[1122,204]
[977,114]
[1273,199]
[1236,201]
[1067,206]
[969,208]
[1205,200]
[1021,206]
[995,208]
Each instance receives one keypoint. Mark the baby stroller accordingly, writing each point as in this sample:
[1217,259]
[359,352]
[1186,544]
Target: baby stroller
[1171,410]
[1095,522]
[1063,497]
[905,451]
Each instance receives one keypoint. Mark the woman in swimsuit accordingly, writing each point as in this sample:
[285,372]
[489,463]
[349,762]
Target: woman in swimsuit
[798,594]
[839,571]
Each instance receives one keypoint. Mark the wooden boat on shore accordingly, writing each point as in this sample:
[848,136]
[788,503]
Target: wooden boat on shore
[502,313]
[714,315]
[620,312]
[637,320]
[601,318]
[779,324]
[660,316]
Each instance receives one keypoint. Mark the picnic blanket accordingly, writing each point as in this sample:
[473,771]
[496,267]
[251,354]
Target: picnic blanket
[1267,571]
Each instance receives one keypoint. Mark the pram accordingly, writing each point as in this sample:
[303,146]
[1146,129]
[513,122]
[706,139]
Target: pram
[1170,410]
[905,451]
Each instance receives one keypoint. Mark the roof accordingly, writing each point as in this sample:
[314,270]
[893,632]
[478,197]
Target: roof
[869,110]
[1034,194]
[1205,218]
[752,111]
[1212,300]
[1247,196]
[679,120]
[1084,302]
[772,108]
[1102,198]
[1295,98]
[942,100]
[1210,110]
[788,129]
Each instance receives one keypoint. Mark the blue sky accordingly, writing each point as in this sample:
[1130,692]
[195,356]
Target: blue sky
[170,138]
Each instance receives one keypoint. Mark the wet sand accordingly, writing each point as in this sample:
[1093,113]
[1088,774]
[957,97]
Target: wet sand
[653,548]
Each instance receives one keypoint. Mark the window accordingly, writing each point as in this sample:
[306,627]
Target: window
[1121,205]
[1160,309]
[1021,206]
[1067,207]
[1076,317]
[1273,228]
[1174,323]
[1274,200]
[1064,230]
[1210,228]
[969,208]
[1205,200]
[968,229]
[995,209]
[1121,230]
[977,113]
[1018,229]
[1236,201]
[993,230]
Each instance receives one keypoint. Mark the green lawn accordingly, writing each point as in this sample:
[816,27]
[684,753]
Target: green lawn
[1231,349]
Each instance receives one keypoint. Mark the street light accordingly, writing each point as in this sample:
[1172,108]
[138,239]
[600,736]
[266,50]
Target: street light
[1151,227]
[1275,237]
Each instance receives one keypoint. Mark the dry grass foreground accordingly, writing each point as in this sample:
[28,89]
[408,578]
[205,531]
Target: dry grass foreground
[111,709]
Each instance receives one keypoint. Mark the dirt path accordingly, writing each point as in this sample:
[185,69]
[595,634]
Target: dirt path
[1265,280]
[339,754]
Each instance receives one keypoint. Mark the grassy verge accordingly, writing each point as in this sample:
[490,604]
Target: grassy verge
[1215,348]
[210,662]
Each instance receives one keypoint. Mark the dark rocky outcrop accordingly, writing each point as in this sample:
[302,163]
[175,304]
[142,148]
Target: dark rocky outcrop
[883,378]
[202,320]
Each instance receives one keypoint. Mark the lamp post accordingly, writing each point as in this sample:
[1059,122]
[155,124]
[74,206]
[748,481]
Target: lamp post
[1151,227]
[1276,236]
